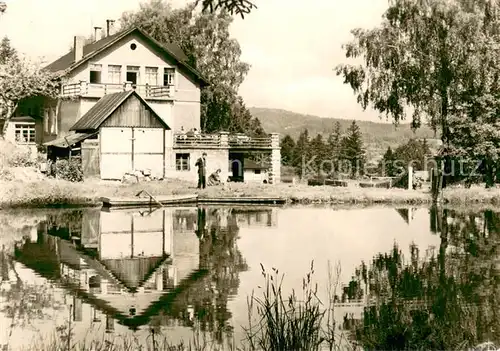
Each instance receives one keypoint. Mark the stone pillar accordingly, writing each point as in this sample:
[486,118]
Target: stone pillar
[224,145]
[275,171]
[224,140]
[410,177]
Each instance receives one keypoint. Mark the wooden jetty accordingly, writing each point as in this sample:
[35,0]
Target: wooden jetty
[154,201]
[135,201]
[243,200]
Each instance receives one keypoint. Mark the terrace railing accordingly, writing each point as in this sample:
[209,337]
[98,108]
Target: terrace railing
[99,90]
[239,141]
[222,140]
[198,140]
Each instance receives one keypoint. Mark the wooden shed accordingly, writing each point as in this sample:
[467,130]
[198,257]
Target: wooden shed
[132,136]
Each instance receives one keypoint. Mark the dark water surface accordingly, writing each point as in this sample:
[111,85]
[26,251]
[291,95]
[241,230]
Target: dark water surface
[426,278]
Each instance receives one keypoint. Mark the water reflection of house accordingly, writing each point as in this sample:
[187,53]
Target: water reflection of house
[125,263]
[134,266]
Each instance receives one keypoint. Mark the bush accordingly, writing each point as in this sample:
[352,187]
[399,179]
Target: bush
[70,170]
[12,155]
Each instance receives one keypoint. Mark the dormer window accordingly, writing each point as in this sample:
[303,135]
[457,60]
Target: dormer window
[95,73]
[168,76]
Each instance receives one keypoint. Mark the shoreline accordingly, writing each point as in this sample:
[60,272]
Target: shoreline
[52,193]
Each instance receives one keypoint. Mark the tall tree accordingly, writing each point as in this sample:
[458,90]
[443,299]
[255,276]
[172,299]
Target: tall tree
[302,152]
[352,151]
[319,151]
[205,39]
[20,79]
[6,51]
[287,145]
[441,59]
[388,167]
[334,144]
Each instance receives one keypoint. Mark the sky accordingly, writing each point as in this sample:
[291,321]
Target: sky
[292,46]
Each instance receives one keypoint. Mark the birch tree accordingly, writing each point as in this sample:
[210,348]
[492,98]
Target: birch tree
[435,62]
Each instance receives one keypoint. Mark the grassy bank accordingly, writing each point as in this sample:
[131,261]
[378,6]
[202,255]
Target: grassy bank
[50,192]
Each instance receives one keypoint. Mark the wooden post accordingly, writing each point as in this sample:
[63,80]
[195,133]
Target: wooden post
[410,177]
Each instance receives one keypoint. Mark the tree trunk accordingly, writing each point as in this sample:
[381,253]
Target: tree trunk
[488,173]
[8,116]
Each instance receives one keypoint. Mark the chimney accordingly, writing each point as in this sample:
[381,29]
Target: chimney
[78,48]
[97,33]
[109,26]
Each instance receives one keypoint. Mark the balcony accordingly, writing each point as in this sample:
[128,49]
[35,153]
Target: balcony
[223,140]
[99,90]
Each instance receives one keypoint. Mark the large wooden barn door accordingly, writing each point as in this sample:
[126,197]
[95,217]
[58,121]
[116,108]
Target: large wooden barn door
[127,149]
[148,150]
[116,152]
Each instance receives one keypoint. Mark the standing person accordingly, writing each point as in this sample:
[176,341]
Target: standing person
[202,171]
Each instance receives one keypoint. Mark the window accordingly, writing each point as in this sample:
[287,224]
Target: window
[46,121]
[182,162]
[152,75]
[133,74]
[95,73]
[168,76]
[115,74]
[53,121]
[50,121]
[25,133]
[257,171]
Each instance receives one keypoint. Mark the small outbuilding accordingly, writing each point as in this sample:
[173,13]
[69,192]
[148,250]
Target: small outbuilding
[130,136]
[255,172]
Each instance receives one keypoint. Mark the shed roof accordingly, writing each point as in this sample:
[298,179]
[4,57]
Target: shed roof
[108,104]
[68,140]
[66,63]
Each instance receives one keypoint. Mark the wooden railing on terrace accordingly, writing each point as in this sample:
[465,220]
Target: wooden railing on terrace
[222,140]
[239,141]
[199,140]
[99,90]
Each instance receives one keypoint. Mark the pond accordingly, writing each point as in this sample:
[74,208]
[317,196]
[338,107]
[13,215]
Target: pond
[406,278]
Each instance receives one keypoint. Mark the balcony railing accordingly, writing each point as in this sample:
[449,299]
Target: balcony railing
[99,90]
[222,140]
[244,141]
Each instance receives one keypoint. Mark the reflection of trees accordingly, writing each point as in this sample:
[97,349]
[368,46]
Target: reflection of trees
[436,300]
[220,256]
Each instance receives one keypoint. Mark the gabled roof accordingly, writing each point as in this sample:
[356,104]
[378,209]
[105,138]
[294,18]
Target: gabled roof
[66,63]
[133,272]
[103,108]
